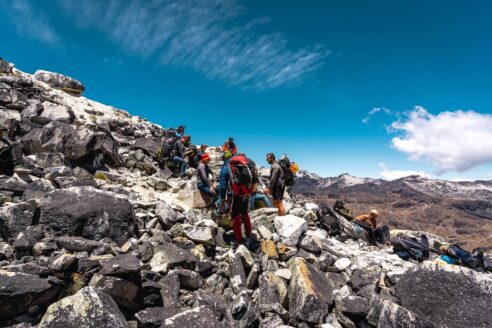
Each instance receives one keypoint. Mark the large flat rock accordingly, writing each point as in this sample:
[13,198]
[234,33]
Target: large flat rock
[88,212]
[447,296]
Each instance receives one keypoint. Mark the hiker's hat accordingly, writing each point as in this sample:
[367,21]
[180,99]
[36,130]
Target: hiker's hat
[205,157]
[374,214]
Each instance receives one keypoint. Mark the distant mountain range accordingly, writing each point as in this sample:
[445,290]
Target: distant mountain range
[460,211]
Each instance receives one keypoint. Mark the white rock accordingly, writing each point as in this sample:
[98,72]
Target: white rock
[290,228]
[311,206]
[245,256]
[342,264]
[56,112]
[283,273]
[264,232]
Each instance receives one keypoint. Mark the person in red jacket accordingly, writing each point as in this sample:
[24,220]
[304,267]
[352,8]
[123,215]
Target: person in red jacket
[241,187]
[229,145]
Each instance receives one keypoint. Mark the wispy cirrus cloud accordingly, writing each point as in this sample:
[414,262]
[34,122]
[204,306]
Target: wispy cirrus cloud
[30,22]
[203,35]
[373,112]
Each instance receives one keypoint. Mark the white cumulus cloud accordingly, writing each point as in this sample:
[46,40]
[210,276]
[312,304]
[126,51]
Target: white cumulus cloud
[452,141]
[203,35]
[388,174]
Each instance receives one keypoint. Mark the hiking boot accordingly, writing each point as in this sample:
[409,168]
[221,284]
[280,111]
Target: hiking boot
[248,243]
[235,245]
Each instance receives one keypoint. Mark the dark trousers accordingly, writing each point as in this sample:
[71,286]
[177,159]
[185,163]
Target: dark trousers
[382,234]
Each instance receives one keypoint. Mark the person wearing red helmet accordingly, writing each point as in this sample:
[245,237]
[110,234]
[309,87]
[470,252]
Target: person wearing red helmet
[203,171]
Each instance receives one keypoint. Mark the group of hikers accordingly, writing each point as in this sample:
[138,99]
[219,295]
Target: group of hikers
[340,219]
[238,188]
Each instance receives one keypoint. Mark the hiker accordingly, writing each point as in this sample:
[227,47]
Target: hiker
[191,156]
[410,248]
[180,131]
[340,208]
[225,175]
[202,150]
[230,146]
[6,154]
[240,182]
[203,171]
[454,254]
[289,170]
[258,196]
[374,233]
[276,187]
[179,154]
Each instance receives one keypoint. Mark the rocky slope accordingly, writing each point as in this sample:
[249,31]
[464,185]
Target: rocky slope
[459,211]
[95,234]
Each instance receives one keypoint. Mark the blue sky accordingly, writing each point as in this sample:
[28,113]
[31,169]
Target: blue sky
[372,88]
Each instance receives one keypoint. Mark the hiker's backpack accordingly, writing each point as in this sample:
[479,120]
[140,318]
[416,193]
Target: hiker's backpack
[328,220]
[241,177]
[284,163]
[254,171]
[193,149]
[467,259]
[169,140]
[408,247]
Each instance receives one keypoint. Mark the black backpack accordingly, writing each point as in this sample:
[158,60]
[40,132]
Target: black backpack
[410,248]
[254,171]
[284,163]
[168,142]
[328,220]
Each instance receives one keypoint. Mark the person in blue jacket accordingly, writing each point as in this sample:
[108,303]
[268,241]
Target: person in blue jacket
[225,175]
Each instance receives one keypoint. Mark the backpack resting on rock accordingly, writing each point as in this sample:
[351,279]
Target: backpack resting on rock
[410,248]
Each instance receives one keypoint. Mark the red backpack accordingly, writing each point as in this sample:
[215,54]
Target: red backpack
[241,176]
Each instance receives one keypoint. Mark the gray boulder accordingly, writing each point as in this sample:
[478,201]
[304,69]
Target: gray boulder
[88,308]
[20,291]
[364,281]
[199,317]
[168,256]
[394,316]
[77,244]
[60,81]
[149,145]
[202,235]
[47,139]
[55,112]
[166,214]
[88,212]
[123,292]
[26,239]
[15,218]
[447,296]
[121,264]
[152,317]
[310,295]
[5,66]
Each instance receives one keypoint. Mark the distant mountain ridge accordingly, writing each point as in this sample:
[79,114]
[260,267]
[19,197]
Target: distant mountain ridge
[432,187]
[460,211]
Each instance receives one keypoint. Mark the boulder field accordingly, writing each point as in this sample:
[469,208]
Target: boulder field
[94,233]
